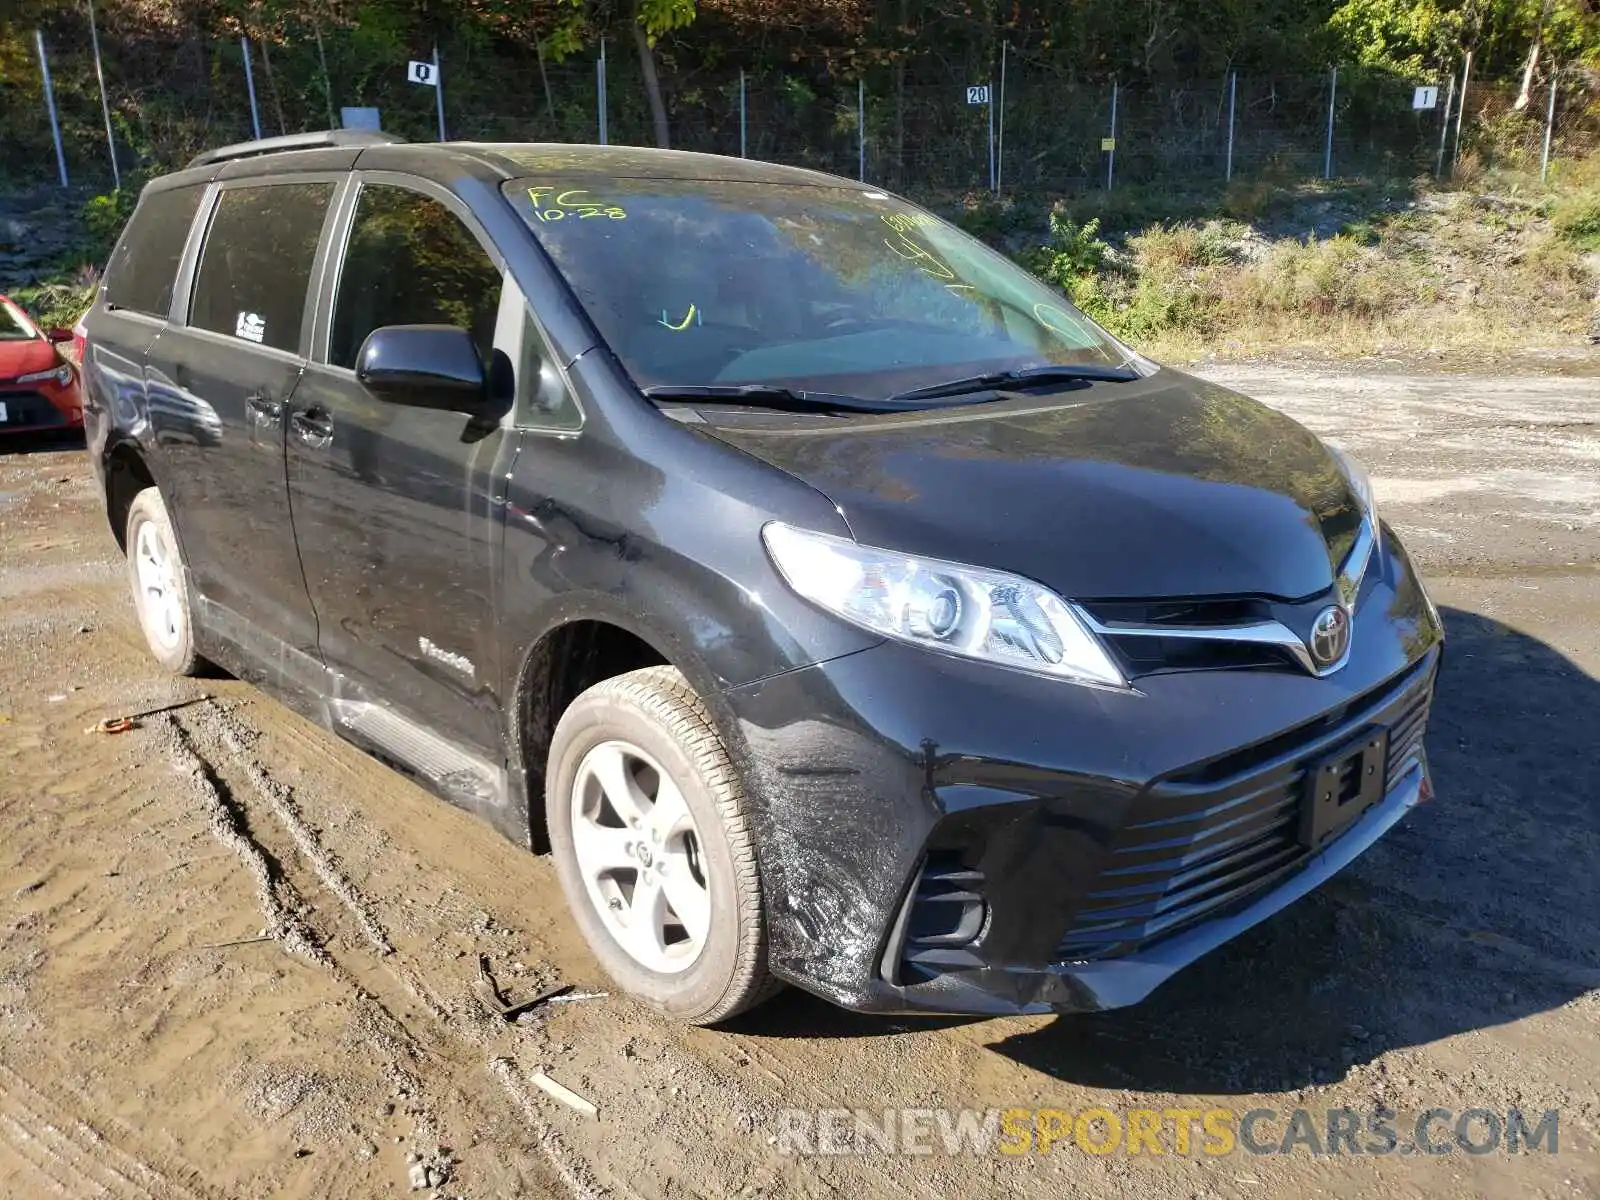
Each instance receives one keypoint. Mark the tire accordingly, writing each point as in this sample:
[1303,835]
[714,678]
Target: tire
[653,723]
[162,593]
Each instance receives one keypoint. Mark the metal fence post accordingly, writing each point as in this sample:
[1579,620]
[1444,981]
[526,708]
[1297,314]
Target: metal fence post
[861,130]
[438,92]
[1444,128]
[743,119]
[1000,145]
[1327,154]
[993,186]
[50,103]
[1549,125]
[327,83]
[250,85]
[105,107]
[600,90]
[1461,108]
[1111,159]
[1233,96]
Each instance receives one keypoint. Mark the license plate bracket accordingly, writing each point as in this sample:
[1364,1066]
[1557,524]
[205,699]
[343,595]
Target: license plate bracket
[1341,786]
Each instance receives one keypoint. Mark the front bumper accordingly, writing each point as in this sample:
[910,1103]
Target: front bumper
[938,835]
[34,408]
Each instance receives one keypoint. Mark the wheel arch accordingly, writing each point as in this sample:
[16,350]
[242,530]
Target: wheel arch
[127,473]
[576,649]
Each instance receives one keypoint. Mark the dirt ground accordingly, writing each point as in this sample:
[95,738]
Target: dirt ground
[236,955]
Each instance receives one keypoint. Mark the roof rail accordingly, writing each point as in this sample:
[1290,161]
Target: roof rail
[323,139]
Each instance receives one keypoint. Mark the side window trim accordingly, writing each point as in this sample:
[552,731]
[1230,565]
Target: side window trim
[200,234]
[333,268]
[183,288]
[520,326]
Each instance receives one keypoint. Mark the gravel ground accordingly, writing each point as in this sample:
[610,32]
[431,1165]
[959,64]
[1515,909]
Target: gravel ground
[236,955]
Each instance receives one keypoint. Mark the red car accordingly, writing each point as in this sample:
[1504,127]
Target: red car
[39,389]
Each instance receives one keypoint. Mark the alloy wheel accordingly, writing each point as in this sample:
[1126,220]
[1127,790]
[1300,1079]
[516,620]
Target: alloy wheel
[639,852]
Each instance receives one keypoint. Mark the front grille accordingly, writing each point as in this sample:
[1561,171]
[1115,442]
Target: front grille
[1203,842]
[1148,654]
[29,410]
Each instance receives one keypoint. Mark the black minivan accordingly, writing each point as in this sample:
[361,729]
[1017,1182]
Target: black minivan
[836,603]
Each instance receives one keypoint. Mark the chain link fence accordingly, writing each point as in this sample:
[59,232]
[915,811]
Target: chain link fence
[1030,124]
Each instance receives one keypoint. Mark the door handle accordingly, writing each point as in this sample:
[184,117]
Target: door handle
[313,427]
[263,409]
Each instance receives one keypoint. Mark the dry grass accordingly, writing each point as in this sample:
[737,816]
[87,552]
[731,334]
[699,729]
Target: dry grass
[1481,271]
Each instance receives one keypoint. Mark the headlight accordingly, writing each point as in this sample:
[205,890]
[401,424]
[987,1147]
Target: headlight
[1369,539]
[1361,483]
[62,375]
[944,606]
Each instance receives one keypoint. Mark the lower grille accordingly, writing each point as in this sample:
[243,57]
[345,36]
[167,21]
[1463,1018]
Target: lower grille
[1197,846]
[29,410]
[945,912]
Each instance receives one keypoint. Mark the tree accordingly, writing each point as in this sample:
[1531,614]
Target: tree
[649,20]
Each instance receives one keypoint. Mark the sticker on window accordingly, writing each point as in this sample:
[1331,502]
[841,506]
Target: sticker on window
[249,325]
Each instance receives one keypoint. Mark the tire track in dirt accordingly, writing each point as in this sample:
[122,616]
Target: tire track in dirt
[228,828]
[238,739]
[399,1054]
[75,1158]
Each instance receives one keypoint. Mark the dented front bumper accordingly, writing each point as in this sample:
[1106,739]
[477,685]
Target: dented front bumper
[941,835]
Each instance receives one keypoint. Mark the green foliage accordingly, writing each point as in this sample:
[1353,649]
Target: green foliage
[103,218]
[1397,35]
[1576,219]
[58,302]
[1072,251]
[663,16]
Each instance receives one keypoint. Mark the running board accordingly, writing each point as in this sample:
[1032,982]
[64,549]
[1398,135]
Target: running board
[472,782]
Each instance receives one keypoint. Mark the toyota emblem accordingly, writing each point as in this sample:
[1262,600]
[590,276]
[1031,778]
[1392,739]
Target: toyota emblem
[1330,636]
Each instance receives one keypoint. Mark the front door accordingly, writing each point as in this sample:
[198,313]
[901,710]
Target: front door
[217,387]
[392,504]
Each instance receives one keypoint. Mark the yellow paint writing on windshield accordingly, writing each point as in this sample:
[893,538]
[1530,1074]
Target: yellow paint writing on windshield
[552,204]
[929,263]
[924,258]
[1059,320]
[680,326]
[906,222]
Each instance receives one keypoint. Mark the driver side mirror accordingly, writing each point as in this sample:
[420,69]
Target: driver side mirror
[425,366]
[58,335]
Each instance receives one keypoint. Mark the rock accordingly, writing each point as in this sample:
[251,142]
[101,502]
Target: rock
[419,1177]
[1359,1033]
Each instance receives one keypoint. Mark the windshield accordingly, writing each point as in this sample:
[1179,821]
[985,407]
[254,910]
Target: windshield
[14,327]
[712,283]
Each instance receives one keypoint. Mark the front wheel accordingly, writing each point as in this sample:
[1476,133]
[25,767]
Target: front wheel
[649,837]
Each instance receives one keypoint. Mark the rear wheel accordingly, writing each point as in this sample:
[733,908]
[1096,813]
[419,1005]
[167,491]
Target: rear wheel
[160,582]
[649,837]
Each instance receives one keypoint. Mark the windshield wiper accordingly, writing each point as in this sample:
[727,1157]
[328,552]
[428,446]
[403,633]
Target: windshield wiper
[772,395]
[1025,377]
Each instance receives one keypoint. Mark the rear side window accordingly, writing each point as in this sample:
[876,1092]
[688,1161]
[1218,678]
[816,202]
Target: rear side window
[140,274]
[256,264]
[410,261]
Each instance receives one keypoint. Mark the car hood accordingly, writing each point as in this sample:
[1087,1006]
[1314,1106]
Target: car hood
[23,358]
[1164,487]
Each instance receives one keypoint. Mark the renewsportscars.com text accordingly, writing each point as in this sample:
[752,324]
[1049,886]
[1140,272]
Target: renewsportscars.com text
[1151,1131]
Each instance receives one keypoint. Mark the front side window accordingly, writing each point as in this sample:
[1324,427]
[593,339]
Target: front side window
[256,264]
[410,261]
[715,282]
[140,275]
[14,326]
